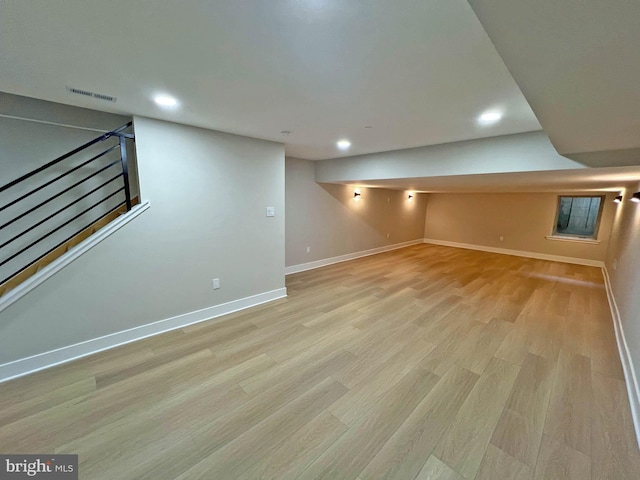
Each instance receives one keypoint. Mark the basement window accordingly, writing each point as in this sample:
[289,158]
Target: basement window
[577,218]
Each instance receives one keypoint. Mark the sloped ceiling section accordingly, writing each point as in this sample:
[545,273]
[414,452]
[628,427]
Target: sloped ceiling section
[522,152]
[611,179]
[578,64]
[524,162]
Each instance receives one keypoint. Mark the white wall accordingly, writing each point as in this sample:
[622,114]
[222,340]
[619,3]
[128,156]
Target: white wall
[623,268]
[45,111]
[522,219]
[331,222]
[208,193]
[524,152]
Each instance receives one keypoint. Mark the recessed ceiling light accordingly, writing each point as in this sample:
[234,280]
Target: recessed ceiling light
[491,116]
[343,144]
[165,101]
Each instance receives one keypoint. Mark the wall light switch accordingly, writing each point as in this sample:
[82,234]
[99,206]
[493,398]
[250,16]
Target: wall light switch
[216,283]
[271,211]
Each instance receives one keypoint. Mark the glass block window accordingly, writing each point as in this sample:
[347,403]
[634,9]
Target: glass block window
[578,216]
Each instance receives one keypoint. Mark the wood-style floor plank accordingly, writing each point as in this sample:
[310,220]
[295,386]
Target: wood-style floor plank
[426,362]
[557,461]
[435,469]
[407,450]
[357,446]
[244,455]
[499,464]
[569,413]
[466,440]
[519,430]
[291,457]
[614,451]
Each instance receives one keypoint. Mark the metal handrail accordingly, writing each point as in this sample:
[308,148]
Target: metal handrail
[101,138]
[51,232]
[34,208]
[60,210]
[124,174]
[46,184]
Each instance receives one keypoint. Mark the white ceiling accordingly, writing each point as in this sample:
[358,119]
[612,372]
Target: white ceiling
[612,179]
[578,64]
[418,72]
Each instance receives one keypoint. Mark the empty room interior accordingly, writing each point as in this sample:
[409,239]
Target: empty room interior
[320,239]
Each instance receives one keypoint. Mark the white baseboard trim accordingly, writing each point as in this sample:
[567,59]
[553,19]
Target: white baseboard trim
[25,366]
[518,253]
[302,267]
[59,263]
[633,391]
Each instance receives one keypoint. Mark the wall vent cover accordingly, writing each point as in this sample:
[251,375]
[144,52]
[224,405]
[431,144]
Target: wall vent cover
[87,93]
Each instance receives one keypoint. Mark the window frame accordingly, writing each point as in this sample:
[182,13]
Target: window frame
[577,238]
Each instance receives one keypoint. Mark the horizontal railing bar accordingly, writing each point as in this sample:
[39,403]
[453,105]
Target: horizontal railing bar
[60,210]
[65,156]
[60,244]
[60,226]
[109,150]
[130,136]
[24,214]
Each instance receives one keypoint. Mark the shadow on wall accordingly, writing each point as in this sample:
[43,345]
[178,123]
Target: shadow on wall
[385,211]
[324,220]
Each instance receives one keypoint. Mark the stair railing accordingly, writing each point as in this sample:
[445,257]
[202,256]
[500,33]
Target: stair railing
[122,177]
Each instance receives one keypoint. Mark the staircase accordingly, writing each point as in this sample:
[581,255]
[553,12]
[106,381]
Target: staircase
[49,210]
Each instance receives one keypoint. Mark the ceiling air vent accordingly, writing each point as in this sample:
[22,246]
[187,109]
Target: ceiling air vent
[87,93]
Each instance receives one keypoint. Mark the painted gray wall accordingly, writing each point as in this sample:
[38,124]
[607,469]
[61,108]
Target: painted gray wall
[623,266]
[326,217]
[208,193]
[522,219]
[42,110]
[522,152]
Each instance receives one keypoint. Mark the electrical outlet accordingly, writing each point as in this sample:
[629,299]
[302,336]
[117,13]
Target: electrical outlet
[271,211]
[308,249]
[501,238]
[387,235]
[216,283]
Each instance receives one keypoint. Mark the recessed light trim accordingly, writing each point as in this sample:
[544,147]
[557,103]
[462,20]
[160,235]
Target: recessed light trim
[489,117]
[165,101]
[343,144]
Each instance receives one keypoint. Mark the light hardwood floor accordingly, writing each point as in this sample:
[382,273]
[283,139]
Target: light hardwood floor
[422,363]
